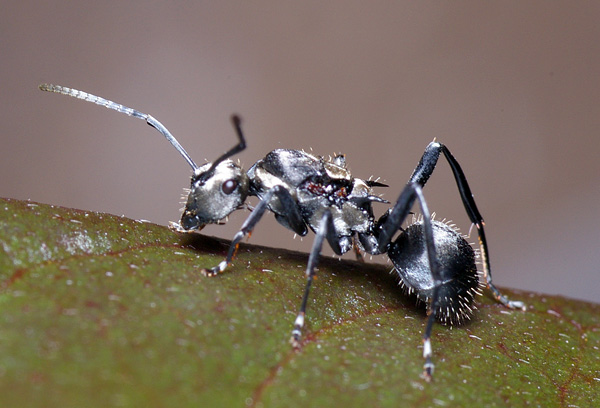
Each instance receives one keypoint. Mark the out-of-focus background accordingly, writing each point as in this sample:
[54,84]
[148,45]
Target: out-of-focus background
[512,88]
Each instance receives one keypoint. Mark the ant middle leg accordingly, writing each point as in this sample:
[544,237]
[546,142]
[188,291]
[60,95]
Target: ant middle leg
[326,231]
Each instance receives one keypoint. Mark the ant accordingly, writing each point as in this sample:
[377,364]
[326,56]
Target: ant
[432,259]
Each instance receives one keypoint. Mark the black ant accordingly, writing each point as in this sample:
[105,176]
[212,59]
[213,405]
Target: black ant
[303,191]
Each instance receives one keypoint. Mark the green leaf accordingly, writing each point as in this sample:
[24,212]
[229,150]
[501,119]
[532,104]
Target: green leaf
[99,310]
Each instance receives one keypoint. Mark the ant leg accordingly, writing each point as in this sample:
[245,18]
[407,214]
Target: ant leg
[292,213]
[390,226]
[422,173]
[326,230]
[357,250]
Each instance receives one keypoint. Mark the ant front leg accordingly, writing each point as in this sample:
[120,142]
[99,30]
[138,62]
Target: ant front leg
[420,176]
[293,217]
[326,230]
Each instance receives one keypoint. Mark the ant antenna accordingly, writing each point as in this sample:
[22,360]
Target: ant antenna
[136,114]
[237,124]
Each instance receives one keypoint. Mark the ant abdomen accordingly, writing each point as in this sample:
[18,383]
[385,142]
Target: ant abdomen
[458,269]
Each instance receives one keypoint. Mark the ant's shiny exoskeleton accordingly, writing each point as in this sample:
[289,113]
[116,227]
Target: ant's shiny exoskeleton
[303,191]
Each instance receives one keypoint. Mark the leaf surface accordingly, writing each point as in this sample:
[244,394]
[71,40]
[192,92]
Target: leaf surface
[99,310]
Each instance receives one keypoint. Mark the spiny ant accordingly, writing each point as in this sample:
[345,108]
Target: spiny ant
[304,192]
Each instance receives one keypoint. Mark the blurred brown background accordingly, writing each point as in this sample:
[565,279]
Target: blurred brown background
[513,88]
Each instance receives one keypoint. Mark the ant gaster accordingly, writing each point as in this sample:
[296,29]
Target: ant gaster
[307,192]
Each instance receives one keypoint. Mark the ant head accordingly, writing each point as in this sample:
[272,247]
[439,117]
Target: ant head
[215,192]
[217,189]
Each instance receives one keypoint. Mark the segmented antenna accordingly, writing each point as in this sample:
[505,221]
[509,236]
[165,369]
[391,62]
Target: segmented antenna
[237,124]
[123,109]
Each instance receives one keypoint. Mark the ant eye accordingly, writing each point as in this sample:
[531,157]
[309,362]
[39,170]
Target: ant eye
[229,186]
